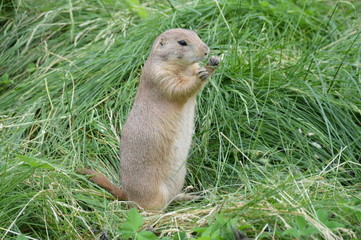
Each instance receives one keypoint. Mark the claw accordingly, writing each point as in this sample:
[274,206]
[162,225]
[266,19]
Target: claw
[214,61]
[202,73]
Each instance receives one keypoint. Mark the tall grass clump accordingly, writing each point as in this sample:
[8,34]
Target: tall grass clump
[276,152]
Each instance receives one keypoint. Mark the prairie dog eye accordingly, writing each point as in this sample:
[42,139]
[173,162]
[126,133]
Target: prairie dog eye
[182,43]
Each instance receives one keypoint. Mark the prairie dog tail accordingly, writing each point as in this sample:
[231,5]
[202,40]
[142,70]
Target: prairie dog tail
[102,181]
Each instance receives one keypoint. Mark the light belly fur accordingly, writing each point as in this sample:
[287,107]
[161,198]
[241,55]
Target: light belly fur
[180,149]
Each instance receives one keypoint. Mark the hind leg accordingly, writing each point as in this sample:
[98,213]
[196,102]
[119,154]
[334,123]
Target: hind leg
[155,198]
[187,197]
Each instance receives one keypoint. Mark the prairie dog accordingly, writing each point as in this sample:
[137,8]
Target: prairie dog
[157,135]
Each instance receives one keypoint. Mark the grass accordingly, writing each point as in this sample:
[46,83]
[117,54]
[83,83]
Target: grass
[276,152]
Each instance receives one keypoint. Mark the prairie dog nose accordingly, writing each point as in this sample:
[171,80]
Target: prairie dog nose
[206,50]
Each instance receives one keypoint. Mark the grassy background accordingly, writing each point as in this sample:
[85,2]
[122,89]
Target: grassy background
[277,147]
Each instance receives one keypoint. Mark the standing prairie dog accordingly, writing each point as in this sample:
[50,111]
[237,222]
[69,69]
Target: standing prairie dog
[157,134]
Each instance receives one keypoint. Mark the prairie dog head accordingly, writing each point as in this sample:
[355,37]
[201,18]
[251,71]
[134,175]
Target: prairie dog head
[179,46]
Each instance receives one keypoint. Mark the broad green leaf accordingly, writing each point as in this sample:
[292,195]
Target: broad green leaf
[333,225]
[146,235]
[133,222]
[323,216]
[309,231]
[301,223]
[292,232]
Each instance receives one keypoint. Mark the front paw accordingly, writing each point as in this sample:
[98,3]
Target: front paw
[213,61]
[202,73]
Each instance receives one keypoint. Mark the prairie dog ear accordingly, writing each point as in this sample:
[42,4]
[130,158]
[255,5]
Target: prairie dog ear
[161,42]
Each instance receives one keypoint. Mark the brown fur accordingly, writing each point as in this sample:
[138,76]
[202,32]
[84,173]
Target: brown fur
[157,134]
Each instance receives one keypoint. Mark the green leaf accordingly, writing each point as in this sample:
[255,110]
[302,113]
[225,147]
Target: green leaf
[35,162]
[264,3]
[31,67]
[204,238]
[212,232]
[333,225]
[293,232]
[301,223]
[220,220]
[180,236]
[133,223]
[146,235]
[244,227]
[198,229]
[139,8]
[309,231]
[303,228]
[323,216]
[4,79]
